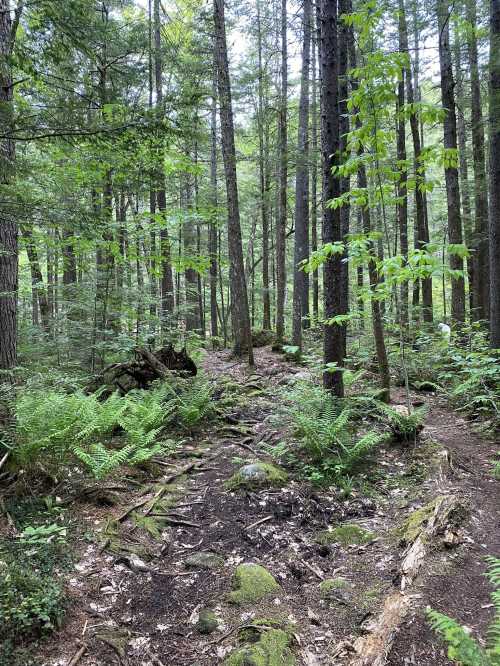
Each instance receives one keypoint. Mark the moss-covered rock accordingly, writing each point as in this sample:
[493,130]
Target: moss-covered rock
[204,560]
[207,622]
[251,582]
[326,587]
[257,475]
[272,649]
[346,535]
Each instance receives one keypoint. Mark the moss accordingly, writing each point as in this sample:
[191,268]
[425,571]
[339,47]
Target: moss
[257,475]
[346,535]
[207,622]
[251,582]
[416,521]
[330,584]
[272,649]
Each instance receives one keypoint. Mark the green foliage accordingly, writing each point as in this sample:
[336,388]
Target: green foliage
[53,427]
[463,649]
[329,431]
[404,425]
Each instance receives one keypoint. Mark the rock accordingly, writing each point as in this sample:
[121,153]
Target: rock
[257,475]
[204,560]
[272,649]
[134,563]
[346,535]
[251,582]
[207,622]
[336,589]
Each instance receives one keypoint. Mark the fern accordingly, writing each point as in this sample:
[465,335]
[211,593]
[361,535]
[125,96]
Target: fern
[463,649]
[328,430]
[404,426]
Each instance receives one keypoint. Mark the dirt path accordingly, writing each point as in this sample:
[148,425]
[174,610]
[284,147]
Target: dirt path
[138,615]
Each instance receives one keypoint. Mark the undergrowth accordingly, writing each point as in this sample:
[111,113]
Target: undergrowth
[54,428]
[463,648]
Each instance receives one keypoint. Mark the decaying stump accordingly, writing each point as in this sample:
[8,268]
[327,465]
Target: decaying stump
[140,372]
[423,531]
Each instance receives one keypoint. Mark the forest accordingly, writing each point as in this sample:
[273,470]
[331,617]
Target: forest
[249,332]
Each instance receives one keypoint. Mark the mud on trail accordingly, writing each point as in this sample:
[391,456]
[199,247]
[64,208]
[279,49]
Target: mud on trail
[152,583]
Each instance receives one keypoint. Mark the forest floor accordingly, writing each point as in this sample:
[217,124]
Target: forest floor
[133,599]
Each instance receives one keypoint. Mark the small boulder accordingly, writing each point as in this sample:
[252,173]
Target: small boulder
[251,582]
[346,535]
[257,475]
[207,622]
[272,649]
[204,560]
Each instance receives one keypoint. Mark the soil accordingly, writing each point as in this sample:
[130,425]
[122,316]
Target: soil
[148,618]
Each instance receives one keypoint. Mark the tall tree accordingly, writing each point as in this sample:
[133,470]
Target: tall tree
[166,282]
[451,171]
[213,230]
[494,212]
[263,130]
[333,346]
[242,331]
[314,175]
[421,227]
[402,185]
[480,286]
[283,183]
[301,245]
[8,223]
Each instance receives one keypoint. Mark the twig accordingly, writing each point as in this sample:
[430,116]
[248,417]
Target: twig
[78,655]
[259,522]
[315,570]
[2,462]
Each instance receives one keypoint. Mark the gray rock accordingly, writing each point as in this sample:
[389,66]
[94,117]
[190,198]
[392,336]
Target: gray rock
[204,560]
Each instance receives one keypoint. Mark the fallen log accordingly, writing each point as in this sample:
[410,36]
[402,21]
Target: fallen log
[423,530]
[145,368]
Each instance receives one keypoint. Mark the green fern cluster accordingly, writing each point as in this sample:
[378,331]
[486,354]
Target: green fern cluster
[54,427]
[463,649]
[404,426]
[329,432]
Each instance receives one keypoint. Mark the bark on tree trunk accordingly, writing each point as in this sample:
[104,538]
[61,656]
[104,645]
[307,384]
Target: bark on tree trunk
[39,290]
[333,347]
[263,175]
[301,244]
[494,212]
[8,223]
[481,278]
[314,177]
[242,331]
[212,231]
[166,281]
[451,172]
[402,190]
[283,183]
[464,169]
[421,230]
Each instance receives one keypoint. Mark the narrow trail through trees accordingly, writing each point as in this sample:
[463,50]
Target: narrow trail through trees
[153,582]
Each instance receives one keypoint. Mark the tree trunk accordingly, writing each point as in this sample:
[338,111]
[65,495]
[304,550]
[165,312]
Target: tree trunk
[421,231]
[451,172]
[263,177]
[402,190]
[333,347]
[8,223]
[494,211]
[301,245]
[166,282]
[212,230]
[464,168]
[314,178]
[283,183]
[242,331]
[39,290]
[481,276]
